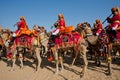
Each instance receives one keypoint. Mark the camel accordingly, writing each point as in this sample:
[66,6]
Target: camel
[65,42]
[28,43]
[4,39]
[97,43]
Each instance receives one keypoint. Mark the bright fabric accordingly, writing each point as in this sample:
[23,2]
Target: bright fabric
[114,21]
[73,39]
[99,28]
[64,28]
[61,24]
[22,29]
[56,31]
[69,29]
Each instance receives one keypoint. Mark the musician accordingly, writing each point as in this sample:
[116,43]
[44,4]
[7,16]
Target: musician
[22,28]
[98,26]
[114,21]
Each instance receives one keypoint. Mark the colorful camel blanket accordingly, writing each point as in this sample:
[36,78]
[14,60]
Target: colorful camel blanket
[24,40]
[67,40]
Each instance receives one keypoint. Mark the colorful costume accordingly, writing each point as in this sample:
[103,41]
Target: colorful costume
[22,29]
[61,24]
[114,21]
[98,25]
[62,28]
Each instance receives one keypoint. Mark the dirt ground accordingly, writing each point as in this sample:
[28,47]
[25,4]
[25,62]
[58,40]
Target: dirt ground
[47,70]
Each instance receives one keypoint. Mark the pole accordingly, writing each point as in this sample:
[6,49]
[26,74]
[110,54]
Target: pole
[15,24]
[52,27]
[106,18]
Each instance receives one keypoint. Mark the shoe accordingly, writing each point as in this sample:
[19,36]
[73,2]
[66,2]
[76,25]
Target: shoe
[50,58]
[9,55]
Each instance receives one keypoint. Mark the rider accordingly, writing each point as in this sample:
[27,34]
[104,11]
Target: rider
[98,26]
[22,29]
[61,26]
[114,21]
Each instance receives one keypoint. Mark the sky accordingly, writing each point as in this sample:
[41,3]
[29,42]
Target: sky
[45,12]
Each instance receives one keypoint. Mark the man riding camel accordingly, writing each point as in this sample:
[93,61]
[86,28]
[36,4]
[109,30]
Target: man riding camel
[114,21]
[22,29]
[61,28]
[98,26]
[59,25]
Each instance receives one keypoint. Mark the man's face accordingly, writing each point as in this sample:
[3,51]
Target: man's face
[114,12]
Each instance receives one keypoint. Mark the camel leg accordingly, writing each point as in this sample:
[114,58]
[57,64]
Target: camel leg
[73,61]
[13,59]
[61,62]
[0,53]
[83,53]
[109,60]
[13,62]
[37,51]
[56,60]
[74,58]
[76,54]
[109,68]
[85,65]
[21,60]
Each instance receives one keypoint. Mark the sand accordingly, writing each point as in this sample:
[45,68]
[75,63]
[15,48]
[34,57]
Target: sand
[47,70]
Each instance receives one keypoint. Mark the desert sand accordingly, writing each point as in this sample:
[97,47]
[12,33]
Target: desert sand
[47,70]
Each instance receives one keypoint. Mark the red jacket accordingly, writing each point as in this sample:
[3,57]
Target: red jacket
[21,24]
[61,23]
[99,26]
[115,20]
[22,28]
